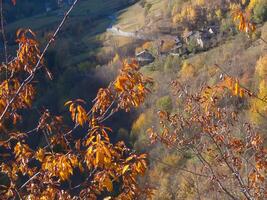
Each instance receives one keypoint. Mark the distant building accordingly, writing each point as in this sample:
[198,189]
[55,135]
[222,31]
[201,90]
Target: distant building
[187,35]
[144,57]
[202,38]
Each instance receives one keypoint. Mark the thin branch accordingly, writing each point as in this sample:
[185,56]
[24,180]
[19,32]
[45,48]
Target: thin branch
[206,163]
[263,40]
[38,64]
[178,168]
[103,115]
[33,177]
[233,170]
[47,141]
[3,31]
[18,194]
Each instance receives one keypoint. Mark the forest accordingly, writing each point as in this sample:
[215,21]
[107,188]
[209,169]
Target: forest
[133,99]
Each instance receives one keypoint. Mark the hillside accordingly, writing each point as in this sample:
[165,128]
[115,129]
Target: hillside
[201,122]
[75,50]
[229,52]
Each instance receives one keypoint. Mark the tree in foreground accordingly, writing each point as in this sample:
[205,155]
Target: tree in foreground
[225,155]
[68,164]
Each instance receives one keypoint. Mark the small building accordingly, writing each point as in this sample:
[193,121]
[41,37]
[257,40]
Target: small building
[202,37]
[187,36]
[144,57]
[177,40]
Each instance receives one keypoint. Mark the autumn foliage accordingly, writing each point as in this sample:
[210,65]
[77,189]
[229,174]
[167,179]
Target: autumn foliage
[234,161]
[67,166]
[77,158]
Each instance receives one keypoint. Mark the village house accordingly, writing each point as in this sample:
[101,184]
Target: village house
[144,57]
[203,38]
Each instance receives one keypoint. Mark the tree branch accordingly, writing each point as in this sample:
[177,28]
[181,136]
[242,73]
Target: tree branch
[241,86]
[3,31]
[206,163]
[38,64]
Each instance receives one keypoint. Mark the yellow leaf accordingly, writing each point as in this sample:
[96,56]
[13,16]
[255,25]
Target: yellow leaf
[120,83]
[67,103]
[40,155]
[236,92]
[125,168]
[107,183]
[241,93]
[97,158]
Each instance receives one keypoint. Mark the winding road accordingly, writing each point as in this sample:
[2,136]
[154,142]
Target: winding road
[117,32]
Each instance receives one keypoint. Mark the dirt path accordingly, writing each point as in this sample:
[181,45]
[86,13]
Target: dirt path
[117,32]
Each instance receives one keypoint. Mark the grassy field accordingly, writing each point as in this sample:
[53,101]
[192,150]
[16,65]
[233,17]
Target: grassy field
[134,17]
[92,17]
[93,35]
[85,8]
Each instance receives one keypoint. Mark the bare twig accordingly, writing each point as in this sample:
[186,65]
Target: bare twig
[3,31]
[33,177]
[233,170]
[263,40]
[18,194]
[178,168]
[206,163]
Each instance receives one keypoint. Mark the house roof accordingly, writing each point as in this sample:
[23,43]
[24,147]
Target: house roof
[187,34]
[145,56]
[142,53]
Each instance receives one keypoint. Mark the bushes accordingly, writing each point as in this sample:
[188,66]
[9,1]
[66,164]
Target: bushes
[192,46]
[139,136]
[259,108]
[172,63]
[260,11]
[261,67]
[165,103]
[187,71]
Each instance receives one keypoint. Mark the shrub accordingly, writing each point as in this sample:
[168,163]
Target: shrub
[171,63]
[192,46]
[165,103]
[260,11]
[258,108]
[187,71]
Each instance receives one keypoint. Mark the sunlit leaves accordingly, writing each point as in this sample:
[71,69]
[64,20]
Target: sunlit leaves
[131,86]
[99,152]
[234,86]
[40,155]
[103,100]
[28,53]
[22,149]
[105,181]
[206,127]
[23,64]
[244,24]
[60,165]
[78,113]
[64,154]
[23,154]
